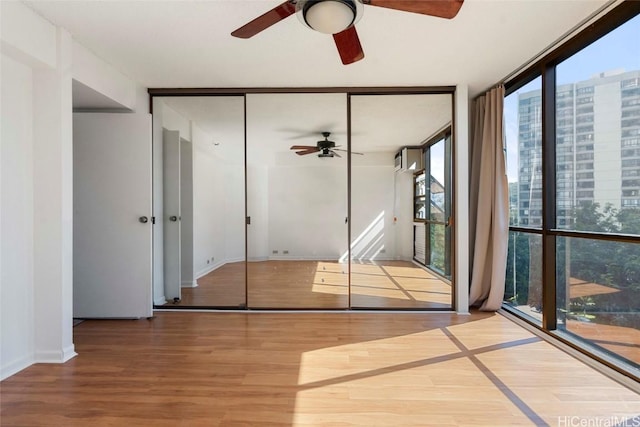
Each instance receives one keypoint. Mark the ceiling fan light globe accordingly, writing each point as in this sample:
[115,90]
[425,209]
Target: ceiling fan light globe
[329,16]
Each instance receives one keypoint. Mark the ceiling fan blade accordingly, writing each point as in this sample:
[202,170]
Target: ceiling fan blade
[440,8]
[348,45]
[309,151]
[265,20]
[303,147]
[353,152]
[335,154]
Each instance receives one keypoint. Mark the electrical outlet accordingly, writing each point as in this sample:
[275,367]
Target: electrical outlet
[208,261]
[275,251]
[285,252]
[382,251]
[212,258]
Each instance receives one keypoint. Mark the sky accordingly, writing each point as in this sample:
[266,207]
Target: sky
[618,50]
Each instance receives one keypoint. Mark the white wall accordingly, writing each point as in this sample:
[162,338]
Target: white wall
[186,213]
[27,37]
[373,194]
[209,207]
[461,197]
[37,137]
[102,77]
[159,297]
[258,211]
[16,217]
[36,211]
[307,210]
[300,206]
[234,212]
[53,206]
[404,215]
[172,120]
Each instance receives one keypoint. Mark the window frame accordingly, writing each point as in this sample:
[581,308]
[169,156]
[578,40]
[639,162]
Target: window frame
[546,68]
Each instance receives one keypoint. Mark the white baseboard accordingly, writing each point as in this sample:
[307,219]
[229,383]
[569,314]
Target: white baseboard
[193,284]
[213,267]
[160,300]
[208,269]
[302,258]
[56,356]
[68,353]
[15,367]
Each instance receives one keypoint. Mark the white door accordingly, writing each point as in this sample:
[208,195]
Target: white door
[112,224]
[171,213]
[187,277]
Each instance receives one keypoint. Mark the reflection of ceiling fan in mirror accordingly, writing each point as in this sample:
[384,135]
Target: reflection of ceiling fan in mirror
[325,147]
[338,17]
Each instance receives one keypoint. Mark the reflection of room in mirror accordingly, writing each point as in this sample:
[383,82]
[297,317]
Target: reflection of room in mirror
[323,284]
[298,253]
[210,200]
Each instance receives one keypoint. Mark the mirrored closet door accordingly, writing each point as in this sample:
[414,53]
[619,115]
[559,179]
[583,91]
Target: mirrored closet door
[303,201]
[297,201]
[199,202]
[389,203]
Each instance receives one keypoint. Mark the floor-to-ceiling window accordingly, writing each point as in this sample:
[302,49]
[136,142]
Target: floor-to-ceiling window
[439,220]
[573,148]
[523,134]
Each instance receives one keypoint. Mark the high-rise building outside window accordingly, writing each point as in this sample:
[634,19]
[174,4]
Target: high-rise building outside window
[587,216]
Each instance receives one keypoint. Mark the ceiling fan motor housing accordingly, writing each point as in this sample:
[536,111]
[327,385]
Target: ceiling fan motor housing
[329,16]
[326,144]
[326,153]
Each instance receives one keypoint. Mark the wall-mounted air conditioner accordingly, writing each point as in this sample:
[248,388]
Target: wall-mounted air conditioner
[408,159]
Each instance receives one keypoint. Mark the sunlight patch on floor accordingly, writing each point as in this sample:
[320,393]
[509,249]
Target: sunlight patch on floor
[474,335]
[358,361]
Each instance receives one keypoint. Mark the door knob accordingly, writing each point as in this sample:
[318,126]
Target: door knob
[173,218]
[143,219]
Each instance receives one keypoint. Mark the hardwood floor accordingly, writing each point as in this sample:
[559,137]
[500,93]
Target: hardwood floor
[303,369]
[620,340]
[223,287]
[319,285]
[397,284]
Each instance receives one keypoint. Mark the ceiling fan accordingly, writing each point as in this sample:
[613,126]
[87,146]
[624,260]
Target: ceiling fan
[325,147]
[338,17]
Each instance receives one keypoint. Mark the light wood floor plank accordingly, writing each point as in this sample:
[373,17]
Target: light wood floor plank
[319,285]
[311,369]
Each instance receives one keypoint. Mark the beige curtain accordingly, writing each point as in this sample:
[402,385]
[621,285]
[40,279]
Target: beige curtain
[489,203]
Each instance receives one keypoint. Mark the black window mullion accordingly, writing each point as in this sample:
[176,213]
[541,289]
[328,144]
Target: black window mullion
[549,313]
[427,206]
[447,204]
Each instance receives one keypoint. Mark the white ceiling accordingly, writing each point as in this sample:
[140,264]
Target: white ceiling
[275,122]
[188,43]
